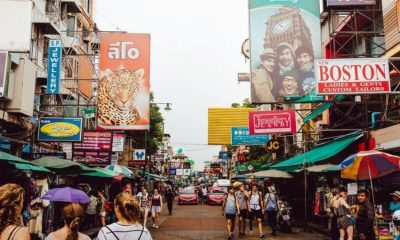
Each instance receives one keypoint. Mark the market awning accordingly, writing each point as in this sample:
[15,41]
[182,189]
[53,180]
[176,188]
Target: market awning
[317,168]
[101,173]
[30,167]
[62,166]
[320,153]
[321,108]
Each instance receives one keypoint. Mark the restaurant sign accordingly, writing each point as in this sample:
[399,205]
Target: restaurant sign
[95,149]
[352,76]
[272,122]
[60,129]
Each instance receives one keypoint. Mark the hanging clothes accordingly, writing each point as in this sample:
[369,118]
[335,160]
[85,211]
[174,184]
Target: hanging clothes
[317,203]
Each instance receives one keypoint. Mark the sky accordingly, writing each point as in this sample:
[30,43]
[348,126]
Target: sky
[195,59]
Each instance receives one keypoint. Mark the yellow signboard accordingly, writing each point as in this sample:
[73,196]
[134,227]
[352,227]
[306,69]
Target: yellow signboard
[221,121]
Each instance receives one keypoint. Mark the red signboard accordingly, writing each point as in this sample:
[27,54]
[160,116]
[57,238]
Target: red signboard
[352,76]
[95,149]
[272,122]
[133,163]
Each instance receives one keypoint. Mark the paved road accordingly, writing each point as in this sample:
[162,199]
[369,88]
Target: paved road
[205,222]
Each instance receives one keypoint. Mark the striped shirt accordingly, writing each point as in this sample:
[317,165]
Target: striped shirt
[124,232]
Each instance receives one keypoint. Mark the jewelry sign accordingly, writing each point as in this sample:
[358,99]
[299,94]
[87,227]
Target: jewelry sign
[272,122]
[54,67]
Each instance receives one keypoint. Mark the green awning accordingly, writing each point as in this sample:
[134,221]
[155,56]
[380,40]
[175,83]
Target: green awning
[12,159]
[101,173]
[62,166]
[318,154]
[266,166]
[334,168]
[310,97]
[30,167]
[320,109]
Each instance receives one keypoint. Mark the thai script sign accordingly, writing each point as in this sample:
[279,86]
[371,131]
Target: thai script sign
[352,76]
[272,122]
[60,129]
[241,136]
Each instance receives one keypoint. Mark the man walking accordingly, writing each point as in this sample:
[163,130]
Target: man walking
[242,196]
[204,194]
[256,210]
[365,217]
[271,207]
[169,196]
[229,208]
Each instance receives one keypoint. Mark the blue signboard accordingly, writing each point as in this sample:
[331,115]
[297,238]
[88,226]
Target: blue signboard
[54,67]
[223,155]
[241,136]
[172,172]
[60,129]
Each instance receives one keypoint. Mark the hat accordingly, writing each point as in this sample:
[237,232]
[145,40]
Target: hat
[303,49]
[396,194]
[291,73]
[282,46]
[268,53]
[237,184]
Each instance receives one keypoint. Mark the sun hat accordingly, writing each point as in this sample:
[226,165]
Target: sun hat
[396,194]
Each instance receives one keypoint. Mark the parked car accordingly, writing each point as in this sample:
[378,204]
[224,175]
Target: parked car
[215,196]
[188,195]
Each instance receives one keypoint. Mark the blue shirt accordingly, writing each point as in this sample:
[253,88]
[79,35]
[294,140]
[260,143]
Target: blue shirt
[394,206]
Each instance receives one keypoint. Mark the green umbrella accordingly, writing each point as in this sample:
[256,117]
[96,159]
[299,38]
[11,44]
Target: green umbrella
[101,173]
[62,166]
[11,158]
[155,176]
[20,163]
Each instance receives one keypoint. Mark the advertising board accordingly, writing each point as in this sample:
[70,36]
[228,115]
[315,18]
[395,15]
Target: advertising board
[272,122]
[95,149]
[60,129]
[352,76]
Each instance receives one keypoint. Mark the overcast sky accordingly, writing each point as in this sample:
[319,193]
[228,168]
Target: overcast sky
[195,58]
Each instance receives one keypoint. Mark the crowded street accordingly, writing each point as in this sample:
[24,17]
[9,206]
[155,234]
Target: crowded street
[195,222]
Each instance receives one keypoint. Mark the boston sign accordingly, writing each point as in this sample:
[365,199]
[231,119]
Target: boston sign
[352,76]
[271,122]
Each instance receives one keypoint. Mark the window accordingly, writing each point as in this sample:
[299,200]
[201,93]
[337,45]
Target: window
[71,26]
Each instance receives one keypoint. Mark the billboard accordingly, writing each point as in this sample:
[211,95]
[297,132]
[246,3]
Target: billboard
[352,76]
[16,25]
[285,38]
[54,67]
[241,136]
[60,129]
[221,121]
[95,149]
[272,122]
[124,88]
[350,2]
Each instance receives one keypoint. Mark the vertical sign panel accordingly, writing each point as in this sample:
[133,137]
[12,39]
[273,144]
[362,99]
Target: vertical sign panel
[124,95]
[54,67]
[285,38]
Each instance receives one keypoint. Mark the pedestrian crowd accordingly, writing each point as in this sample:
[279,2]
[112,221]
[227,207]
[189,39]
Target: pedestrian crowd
[128,211]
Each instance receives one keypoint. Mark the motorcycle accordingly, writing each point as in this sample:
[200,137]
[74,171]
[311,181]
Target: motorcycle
[284,218]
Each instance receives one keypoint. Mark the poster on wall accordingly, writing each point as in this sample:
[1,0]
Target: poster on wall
[124,86]
[285,38]
[95,149]
[352,76]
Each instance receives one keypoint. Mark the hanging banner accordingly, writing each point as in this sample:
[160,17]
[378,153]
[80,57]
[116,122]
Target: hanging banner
[95,149]
[54,67]
[285,38]
[241,136]
[124,88]
[272,122]
[352,76]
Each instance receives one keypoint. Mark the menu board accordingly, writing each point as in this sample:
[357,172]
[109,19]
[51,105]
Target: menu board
[94,150]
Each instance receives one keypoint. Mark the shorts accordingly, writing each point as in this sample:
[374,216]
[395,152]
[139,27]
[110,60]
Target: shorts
[244,214]
[155,209]
[344,222]
[144,209]
[103,214]
[255,214]
[230,216]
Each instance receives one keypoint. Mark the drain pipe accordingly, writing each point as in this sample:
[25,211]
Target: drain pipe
[374,117]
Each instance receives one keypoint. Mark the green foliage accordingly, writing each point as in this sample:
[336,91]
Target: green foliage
[245,104]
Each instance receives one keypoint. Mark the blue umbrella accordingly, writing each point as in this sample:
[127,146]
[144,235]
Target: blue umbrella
[66,194]
[120,169]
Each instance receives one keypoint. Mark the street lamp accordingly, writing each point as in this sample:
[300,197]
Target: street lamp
[167,105]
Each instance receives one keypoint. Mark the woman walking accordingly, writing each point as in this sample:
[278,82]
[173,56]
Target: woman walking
[343,213]
[127,210]
[144,202]
[73,217]
[156,208]
[11,204]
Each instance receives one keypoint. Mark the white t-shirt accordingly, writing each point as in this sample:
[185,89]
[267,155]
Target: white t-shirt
[204,191]
[80,237]
[124,232]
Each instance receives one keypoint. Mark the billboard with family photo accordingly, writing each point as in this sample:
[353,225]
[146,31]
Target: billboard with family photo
[285,38]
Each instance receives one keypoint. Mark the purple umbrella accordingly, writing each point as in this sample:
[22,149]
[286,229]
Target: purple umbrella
[66,194]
